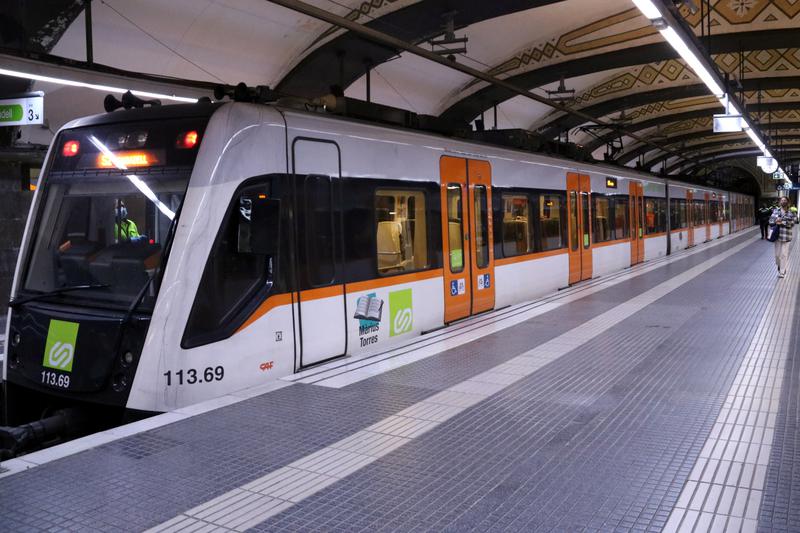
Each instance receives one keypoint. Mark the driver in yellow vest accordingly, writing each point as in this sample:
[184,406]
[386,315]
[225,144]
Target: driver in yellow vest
[124,228]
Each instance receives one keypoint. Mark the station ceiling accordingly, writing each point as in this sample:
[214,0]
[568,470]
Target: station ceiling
[609,53]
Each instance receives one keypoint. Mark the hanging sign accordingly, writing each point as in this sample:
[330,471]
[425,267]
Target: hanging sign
[23,110]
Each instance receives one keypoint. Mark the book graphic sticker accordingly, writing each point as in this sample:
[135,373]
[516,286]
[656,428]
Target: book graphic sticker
[369,308]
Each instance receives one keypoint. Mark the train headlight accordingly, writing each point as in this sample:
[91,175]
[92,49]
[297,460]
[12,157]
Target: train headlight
[16,338]
[127,358]
[119,382]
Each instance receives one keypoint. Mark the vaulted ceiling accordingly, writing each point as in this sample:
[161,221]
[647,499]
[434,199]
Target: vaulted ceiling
[609,53]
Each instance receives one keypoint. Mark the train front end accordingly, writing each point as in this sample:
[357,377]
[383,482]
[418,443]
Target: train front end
[88,276]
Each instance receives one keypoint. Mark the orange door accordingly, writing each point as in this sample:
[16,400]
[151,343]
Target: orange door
[579,222]
[636,194]
[467,239]
[479,180]
[690,221]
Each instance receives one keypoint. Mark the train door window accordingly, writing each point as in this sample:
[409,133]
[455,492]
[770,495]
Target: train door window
[622,229]
[318,230]
[455,227]
[516,225]
[573,219]
[401,231]
[552,221]
[234,276]
[586,218]
[481,227]
[682,213]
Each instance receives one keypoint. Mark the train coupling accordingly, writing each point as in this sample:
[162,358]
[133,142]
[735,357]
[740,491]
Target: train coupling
[60,426]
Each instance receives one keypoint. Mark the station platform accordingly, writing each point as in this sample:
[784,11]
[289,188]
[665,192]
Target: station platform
[662,398]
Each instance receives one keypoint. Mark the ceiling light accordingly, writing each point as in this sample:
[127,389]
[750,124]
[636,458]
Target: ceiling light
[648,9]
[93,86]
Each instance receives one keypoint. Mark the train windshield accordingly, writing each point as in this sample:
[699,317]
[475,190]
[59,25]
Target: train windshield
[110,200]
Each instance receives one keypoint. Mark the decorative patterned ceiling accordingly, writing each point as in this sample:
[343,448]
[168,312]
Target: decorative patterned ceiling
[607,51]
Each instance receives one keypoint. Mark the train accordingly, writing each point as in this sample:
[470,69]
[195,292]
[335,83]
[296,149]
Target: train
[176,254]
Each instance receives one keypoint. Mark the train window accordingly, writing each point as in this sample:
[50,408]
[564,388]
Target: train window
[622,229]
[699,212]
[455,227]
[232,280]
[601,223]
[551,219]
[586,218]
[573,220]
[516,225]
[401,231]
[481,227]
[713,211]
[655,215]
[677,213]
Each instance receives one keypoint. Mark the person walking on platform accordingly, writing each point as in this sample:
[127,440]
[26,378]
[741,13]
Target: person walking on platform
[763,219]
[783,218]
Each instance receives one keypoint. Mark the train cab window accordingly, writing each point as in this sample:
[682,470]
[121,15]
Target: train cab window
[401,231]
[622,229]
[655,215]
[516,225]
[552,221]
[481,227]
[455,227]
[602,220]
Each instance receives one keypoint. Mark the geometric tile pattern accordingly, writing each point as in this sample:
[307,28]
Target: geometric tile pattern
[726,485]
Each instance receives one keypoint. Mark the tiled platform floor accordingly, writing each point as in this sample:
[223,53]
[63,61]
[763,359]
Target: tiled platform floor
[590,417]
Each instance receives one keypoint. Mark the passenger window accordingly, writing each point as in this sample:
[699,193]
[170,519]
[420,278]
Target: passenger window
[655,215]
[601,222]
[481,227]
[318,230]
[455,230]
[622,229]
[550,206]
[401,231]
[516,225]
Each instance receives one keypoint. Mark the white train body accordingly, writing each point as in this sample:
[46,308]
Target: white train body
[375,200]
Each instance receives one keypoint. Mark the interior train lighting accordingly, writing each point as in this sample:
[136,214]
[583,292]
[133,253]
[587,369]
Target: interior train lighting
[93,86]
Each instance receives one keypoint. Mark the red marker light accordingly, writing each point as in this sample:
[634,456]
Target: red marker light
[70,148]
[152,241]
[187,140]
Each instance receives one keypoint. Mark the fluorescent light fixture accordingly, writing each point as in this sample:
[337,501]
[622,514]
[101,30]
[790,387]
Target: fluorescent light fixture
[648,9]
[727,123]
[134,179]
[93,86]
[683,50]
[767,164]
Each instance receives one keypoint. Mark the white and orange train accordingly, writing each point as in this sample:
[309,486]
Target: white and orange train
[176,254]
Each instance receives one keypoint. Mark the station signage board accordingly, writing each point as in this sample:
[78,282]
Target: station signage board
[786,187]
[23,110]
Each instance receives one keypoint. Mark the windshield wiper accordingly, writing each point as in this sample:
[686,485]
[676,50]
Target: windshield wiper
[19,301]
